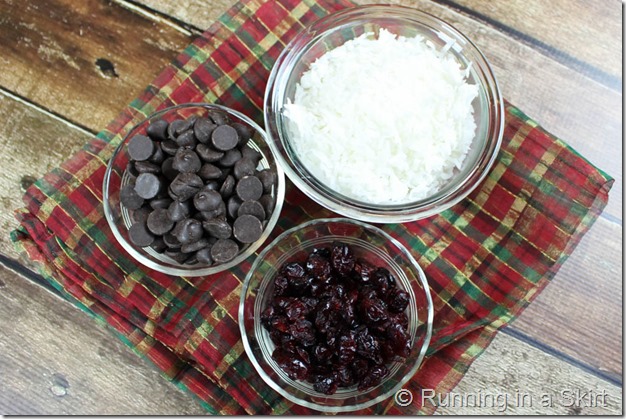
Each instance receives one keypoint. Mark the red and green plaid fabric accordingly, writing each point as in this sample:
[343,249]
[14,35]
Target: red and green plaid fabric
[486,258]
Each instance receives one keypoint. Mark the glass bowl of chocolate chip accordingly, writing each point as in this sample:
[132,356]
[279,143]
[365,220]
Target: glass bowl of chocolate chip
[336,315]
[193,189]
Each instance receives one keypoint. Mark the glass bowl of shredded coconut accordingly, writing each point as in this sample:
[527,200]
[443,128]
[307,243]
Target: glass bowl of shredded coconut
[384,113]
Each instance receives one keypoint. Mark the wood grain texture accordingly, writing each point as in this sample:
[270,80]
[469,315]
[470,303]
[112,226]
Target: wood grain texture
[84,60]
[559,28]
[62,363]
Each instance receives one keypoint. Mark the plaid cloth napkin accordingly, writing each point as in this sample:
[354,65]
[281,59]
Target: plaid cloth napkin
[486,258]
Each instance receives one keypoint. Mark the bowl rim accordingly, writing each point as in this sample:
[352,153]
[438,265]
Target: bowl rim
[192,271]
[348,207]
[428,322]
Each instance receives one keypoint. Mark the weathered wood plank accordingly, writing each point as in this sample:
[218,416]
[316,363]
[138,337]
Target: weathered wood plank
[513,378]
[580,312]
[83,60]
[560,28]
[54,360]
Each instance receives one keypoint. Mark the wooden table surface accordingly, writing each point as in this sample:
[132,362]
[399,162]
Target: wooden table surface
[68,67]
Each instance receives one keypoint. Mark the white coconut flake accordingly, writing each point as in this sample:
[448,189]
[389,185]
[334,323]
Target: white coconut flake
[383,120]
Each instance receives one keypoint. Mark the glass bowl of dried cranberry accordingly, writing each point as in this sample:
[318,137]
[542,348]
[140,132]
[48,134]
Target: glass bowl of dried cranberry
[193,189]
[336,315]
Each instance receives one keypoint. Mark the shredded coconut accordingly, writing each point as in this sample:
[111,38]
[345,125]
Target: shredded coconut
[383,120]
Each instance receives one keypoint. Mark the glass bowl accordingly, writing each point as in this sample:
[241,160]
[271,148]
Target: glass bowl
[117,176]
[333,31]
[367,242]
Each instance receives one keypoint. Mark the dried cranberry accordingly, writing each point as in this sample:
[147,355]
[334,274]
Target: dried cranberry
[347,348]
[342,258]
[295,368]
[398,300]
[318,265]
[302,331]
[327,385]
[363,269]
[373,377]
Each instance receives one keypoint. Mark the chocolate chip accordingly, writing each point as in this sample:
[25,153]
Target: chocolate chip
[130,198]
[177,255]
[232,206]
[224,250]
[141,215]
[188,230]
[167,168]
[179,210]
[249,188]
[176,127]
[207,200]
[219,117]
[147,185]
[244,132]
[203,128]
[160,203]
[268,203]
[171,241]
[186,139]
[158,245]
[212,185]
[184,186]
[218,228]
[140,147]
[252,208]
[247,228]
[169,147]
[230,158]
[194,246]
[204,256]
[158,156]
[224,138]
[139,235]
[157,130]
[208,154]
[209,172]
[252,154]
[159,222]
[268,178]
[228,187]
[147,167]
[244,167]
[186,161]
[214,213]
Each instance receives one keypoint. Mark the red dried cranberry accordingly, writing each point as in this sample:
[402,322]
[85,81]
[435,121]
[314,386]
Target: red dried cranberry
[342,258]
[295,368]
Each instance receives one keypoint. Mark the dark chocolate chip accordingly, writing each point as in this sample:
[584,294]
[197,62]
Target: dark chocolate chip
[140,147]
[159,222]
[171,241]
[194,246]
[147,167]
[184,186]
[249,188]
[252,154]
[268,203]
[169,147]
[177,255]
[147,185]
[252,208]
[230,158]
[206,200]
[212,185]
[218,228]
[220,211]
[204,256]
[244,167]
[179,210]
[158,245]
[139,235]
[160,203]
[130,198]
[219,117]
[188,230]
[176,127]
[224,250]
[168,170]
[244,132]
[268,178]
[158,156]
[141,215]
[186,161]
[209,172]
[208,154]
[247,228]
[187,139]
[203,129]
[224,138]
[130,168]
[232,207]
[228,187]
[157,130]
